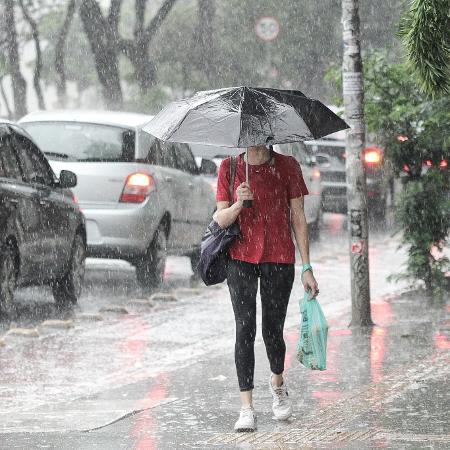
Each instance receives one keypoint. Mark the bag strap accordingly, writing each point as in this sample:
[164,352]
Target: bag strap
[233,162]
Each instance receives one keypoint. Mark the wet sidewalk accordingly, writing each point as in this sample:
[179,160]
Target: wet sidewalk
[387,387]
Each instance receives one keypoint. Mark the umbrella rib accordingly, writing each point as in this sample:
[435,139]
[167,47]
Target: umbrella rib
[268,120]
[240,116]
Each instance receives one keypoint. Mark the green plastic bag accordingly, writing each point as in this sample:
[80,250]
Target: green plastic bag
[312,345]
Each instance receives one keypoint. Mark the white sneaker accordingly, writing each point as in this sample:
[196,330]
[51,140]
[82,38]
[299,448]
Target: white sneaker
[246,421]
[281,405]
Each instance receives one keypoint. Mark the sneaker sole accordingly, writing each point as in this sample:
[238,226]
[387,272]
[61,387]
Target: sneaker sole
[285,417]
[246,430]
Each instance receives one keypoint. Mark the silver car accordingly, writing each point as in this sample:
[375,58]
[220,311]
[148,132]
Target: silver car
[142,199]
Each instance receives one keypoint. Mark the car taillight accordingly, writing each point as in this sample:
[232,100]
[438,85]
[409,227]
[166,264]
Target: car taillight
[428,163]
[372,156]
[406,168]
[443,164]
[137,188]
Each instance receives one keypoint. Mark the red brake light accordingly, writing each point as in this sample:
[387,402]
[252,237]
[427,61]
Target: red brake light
[443,164]
[372,156]
[428,163]
[402,138]
[137,188]
[406,168]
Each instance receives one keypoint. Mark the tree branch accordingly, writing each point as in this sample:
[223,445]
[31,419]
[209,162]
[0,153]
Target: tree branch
[139,8]
[59,62]
[156,22]
[114,15]
[37,45]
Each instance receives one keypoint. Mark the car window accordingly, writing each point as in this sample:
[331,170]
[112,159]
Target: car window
[185,159]
[9,166]
[151,147]
[34,167]
[73,141]
[168,155]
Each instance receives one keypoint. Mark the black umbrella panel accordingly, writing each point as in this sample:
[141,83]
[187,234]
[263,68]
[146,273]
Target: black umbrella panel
[240,117]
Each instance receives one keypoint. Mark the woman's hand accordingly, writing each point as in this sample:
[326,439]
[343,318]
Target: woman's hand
[243,192]
[310,283]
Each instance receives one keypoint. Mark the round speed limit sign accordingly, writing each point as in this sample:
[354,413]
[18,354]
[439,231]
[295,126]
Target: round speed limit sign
[267,28]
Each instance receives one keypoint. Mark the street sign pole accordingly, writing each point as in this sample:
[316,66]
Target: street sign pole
[353,93]
[267,29]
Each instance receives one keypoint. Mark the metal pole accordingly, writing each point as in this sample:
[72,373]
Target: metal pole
[247,203]
[353,93]
[246,166]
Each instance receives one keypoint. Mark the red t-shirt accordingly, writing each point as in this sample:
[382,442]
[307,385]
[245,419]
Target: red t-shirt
[266,227]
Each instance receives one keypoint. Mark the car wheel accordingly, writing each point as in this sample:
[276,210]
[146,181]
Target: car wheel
[67,290]
[150,268]
[8,280]
[195,259]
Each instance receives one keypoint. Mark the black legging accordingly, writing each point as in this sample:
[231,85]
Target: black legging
[275,286]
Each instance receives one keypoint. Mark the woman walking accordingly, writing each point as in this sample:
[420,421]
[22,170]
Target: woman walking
[265,252]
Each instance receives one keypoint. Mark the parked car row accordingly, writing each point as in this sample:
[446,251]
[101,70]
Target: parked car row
[142,199]
[93,184]
[75,184]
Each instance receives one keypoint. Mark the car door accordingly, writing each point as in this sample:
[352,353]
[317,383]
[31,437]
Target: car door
[192,196]
[174,185]
[22,200]
[56,238]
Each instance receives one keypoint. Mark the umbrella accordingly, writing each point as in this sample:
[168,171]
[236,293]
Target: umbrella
[244,116]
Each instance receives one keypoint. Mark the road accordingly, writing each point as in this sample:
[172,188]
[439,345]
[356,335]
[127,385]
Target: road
[100,364]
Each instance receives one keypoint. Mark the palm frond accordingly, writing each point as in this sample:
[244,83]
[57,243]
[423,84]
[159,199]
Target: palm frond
[425,31]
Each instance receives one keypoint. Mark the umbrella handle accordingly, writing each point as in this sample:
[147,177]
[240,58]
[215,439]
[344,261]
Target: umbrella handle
[248,203]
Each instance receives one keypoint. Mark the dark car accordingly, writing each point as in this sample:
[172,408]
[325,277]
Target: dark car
[330,157]
[42,230]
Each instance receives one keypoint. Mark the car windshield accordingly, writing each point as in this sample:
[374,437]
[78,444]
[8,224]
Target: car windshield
[71,141]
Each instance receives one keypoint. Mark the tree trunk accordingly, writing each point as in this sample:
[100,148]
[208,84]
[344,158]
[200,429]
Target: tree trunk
[206,13]
[59,63]
[144,69]
[37,46]
[353,93]
[5,99]
[19,85]
[104,48]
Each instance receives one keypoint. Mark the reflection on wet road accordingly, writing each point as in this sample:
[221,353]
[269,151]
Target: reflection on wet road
[95,371]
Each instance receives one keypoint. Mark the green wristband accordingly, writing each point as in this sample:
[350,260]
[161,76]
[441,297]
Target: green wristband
[305,268]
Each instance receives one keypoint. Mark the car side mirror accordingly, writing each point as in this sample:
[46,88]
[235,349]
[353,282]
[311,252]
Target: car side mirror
[67,179]
[208,167]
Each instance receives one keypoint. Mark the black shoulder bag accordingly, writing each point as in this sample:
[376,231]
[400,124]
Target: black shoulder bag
[216,242]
